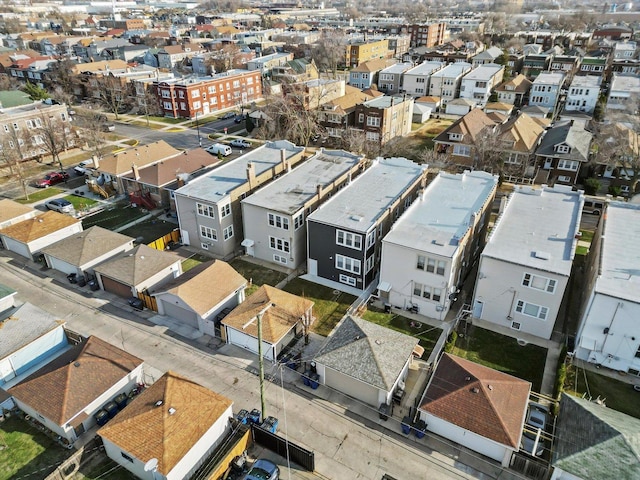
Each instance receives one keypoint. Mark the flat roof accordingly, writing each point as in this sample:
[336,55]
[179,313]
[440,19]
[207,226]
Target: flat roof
[441,216]
[620,257]
[625,82]
[358,206]
[397,68]
[586,81]
[538,229]
[552,78]
[424,68]
[453,70]
[483,72]
[219,182]
[292,191]
[385,101]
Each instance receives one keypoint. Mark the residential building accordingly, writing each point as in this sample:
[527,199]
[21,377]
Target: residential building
[545,91]
[344,235]
[295,71]
[499,402]
[390,79]
[435,243]
[445,83]
[478,84]
[518,138]
[514,91]
[623,92]
[567,64]
[416,80]
[490,55]
[594,63]
[170,56]
[31,69]
[208,207]
[274,217]
[365,361]
[625,58]
[594,442]
[459,140]
[283,317]
[312,94]
[189,97]
[525,267]
[265,63]
[427,34]
[189,423]
[565,147]
[536,63]
[613,32]
[94,372]
[13,212]
[360,52]
[398,44]
[618,169]
[366,74]
[608,333]
[583,94]
[515,61]
[384,118]
[338,116]
[459,107]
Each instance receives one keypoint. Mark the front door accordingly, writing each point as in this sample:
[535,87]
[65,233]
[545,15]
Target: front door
[547,163]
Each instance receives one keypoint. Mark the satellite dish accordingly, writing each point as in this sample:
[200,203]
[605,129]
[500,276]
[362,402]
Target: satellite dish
[151,465]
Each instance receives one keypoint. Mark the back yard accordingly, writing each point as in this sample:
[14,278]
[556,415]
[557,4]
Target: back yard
[150,230]
[257,275]
[114,217]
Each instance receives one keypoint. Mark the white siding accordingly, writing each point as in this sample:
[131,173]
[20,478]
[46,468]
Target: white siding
[16,247]
[350,386]
[38,244]
[60,265]
[243,340]
[168,273]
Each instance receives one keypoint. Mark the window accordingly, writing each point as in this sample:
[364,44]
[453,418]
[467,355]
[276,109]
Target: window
[455,136]
[195,93]
[431,265]
[417,289]
[278,221]
[462,150]
[421,262]
[360,117]
[372,136]
[568,165]
[167,105]
[440,267]
[348,239]
[205,210]
[368,265]
[351,281]
[166,94]
[532,310]
[348,264]
[225,210]
[279,244]
[371,239]
[196,105]
[298,221]
[563,149]
[126,457]
[539,283]
[436,294]
[16,127]
[279,259]
[209,233]
[515,325]
[373,121]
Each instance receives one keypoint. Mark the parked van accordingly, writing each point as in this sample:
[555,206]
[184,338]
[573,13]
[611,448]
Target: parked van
[593,205]
[219,149]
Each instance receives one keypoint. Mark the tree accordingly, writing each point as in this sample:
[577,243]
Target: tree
[14,151]
[34,91]
[224,58]
[53,135]
[91,130]
[114,94]
[330,50]
[618,146]
[61,76]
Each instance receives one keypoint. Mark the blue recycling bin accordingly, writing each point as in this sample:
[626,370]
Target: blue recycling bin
[270,424]
[242,416]
[254,416]
[420,428]
[305,378]
[406,425]
[313,380]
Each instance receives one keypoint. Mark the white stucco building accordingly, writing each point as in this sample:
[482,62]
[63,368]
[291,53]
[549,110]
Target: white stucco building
[416,80]
[583,93]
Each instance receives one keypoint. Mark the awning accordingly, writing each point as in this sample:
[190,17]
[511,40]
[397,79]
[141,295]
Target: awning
[247,242]
[384,287]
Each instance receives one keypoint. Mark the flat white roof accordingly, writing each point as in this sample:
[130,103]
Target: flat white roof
[358,206]
[397,68]
[425,68]
[538,229]
[441,216]
[292,191]
[549,78]
[620,256]
[453,70]
[586,81]
[483,72]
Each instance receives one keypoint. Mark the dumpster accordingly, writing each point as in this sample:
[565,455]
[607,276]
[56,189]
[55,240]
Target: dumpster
[406,425]
[270,424]
[420,428]
[102,417]
[313,380]
[112,409]
[254,416]
[243,416]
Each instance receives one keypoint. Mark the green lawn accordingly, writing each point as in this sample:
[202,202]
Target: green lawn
[103,468]
[587,235]
[193,261]
[25,452]
[428,335]
[618,395]
[503,353]
[41,194]
[113,218]
[80,203]
[257,275]
[169,120]
[150,230]
[329,305]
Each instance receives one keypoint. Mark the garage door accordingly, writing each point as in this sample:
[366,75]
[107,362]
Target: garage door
[61,266]
[187,316]
[352,387]
[116,287]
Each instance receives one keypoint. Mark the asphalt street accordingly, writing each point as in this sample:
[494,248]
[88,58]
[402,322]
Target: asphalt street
[346,446]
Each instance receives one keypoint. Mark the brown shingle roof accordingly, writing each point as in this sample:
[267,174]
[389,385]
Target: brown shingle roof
[470,126]
[281,311]
[522,132]
[375,65]
[64,387]
[519,84]
[38,227]
[148,431]
[120,163]
[10,210]
[101,66]
[137,265]
[206,285]
[478,399]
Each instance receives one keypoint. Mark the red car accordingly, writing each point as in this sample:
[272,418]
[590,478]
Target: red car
[51,179]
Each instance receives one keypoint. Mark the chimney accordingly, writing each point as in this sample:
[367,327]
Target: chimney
[319,191]
[283,159]
[180,180]
[136,172]
[251,175]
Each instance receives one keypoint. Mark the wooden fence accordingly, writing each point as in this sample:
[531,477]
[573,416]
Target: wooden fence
[163,243]
[149,301]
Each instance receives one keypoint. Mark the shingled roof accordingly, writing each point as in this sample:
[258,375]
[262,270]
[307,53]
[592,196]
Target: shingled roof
[280,312]
[367,352]
[167,431]
[120,163]
[137,265]
[38,227]
[10,210]
[21,325]
[470,126]
[64,387]
[478,398]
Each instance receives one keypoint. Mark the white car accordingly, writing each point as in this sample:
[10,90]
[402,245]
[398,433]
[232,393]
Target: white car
[83,167]
[60,205]
[239,143]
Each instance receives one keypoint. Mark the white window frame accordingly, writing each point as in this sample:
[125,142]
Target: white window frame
[373,121]
[571,165]
[371,239]
[278,221]
[529,279]
[279,244]
[348,264]
[563,149]
[542,312]
[279,259]
[225,210]
[349,239]
[209,233]
[205,210]
[368,264]
[347,280]
[462,150]
[227,233]
[298,221]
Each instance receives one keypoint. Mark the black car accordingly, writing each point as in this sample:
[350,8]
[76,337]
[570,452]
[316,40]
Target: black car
[228,115]
[240,118]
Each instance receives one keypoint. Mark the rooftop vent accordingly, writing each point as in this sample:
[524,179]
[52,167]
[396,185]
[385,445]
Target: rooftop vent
[475,390]
[172,410]
[542,255]
[490,387]
[76,364]
[159,403]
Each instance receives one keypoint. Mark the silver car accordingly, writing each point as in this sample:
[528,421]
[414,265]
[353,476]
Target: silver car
[60,205]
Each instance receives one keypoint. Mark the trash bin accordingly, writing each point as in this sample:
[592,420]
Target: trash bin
[420,428]
[270,424]
[313,380]
[111,408]
[82,281]
[93,285]
[384,411]
[254,416]
[305,378]
[136,303]
[121,400]
[243,416]
[406,425]
[387,308]
[72,277]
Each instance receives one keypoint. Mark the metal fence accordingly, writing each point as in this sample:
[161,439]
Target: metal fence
[279,445]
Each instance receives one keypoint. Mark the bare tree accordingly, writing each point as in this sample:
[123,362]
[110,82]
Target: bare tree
[488,150]
[224,58]
[61,76]
[91,130]
[619,147]
[14,151]
[291,121]
[54,135]
[114,94]
[330,50]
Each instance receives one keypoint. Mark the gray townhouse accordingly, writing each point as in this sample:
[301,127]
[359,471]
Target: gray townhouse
[274,217]
[416,80]
[390,78]
[545,91]
[445,83]
[344,235]
[490,55]
[208,207]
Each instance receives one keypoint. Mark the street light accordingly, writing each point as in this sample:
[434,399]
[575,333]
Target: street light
[198,128]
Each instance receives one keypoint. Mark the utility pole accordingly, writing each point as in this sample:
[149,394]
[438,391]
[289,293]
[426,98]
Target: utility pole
[200,144]
[261,362]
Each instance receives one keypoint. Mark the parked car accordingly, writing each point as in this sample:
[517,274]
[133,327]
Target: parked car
[52,179]
[219,149]
[60,205]
[263,469]
[594,206]
[109,127]
[537,416]
[240,118]
[83,167]
[535,423]
[240,143]
[228,115]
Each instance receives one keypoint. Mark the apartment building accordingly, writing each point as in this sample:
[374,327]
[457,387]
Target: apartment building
[416,80]
[478,84]
[366,74]
[623,92]
[427,35]
[545,91]
[445,83]
[390,79]
[384,118]
[360,52]
[514,91]
[583,94]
